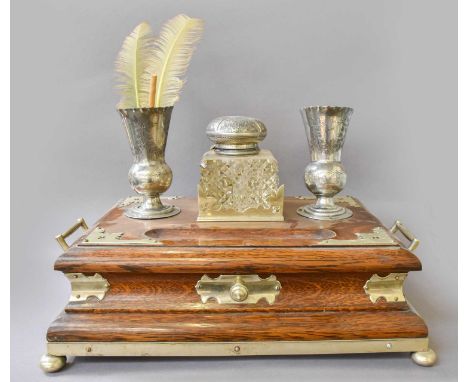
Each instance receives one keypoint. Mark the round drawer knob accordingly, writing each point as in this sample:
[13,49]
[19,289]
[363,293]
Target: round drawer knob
[239,292]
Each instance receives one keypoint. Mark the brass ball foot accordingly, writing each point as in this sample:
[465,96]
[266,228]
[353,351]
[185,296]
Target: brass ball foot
[424,358]
[52,363]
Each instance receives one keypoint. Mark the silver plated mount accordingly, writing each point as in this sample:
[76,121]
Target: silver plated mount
[150,175]
[325,177]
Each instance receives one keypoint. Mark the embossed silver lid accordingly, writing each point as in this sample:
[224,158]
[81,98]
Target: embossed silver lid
[236,135]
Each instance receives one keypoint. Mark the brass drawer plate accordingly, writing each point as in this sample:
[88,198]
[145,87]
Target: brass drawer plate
[238,289]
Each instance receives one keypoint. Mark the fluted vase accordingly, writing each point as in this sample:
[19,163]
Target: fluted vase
[150,176]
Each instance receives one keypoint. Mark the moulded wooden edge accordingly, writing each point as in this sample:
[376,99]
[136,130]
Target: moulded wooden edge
[236,326]
[242,260]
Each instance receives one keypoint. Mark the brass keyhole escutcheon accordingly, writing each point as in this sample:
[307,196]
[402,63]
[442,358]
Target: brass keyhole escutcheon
[239,292]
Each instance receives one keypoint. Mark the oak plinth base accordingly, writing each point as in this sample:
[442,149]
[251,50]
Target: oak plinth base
[297,287]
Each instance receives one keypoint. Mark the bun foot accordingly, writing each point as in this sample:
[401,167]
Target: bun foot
[425,358]
[52,363]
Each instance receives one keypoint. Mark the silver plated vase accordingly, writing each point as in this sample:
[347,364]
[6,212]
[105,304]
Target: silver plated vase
[325,176]
[150,176]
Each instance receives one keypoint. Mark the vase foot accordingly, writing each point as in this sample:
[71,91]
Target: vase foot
[138,212]
[311,211]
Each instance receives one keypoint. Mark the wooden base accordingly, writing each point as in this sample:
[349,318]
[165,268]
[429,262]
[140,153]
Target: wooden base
[229,327]
[332,299]
[55,359]
[186,335]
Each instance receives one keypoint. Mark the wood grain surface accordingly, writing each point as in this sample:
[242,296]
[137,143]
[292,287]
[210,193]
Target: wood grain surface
[176,293]
[236,260]
[236,326]
[188,246]
[295,231]
[152,294]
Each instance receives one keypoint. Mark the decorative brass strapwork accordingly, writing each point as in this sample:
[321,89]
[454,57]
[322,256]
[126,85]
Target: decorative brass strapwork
[389,287]
[99,236]
[83,286]
[398,226]
[238,289]
[61,238]
[378,236]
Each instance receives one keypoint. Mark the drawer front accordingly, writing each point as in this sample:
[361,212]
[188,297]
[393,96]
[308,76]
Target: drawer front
[283,292]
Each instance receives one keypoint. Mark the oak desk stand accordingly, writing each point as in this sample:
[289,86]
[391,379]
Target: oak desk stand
[178,287]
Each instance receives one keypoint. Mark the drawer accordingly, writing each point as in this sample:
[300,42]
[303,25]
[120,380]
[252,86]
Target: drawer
[284,292]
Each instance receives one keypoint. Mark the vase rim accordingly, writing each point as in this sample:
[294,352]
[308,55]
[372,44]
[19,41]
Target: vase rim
[328,107]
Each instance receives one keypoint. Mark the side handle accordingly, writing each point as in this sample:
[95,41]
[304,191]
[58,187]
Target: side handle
[70,231]
[398,226]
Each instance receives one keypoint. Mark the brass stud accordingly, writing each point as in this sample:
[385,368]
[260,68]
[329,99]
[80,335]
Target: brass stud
[237,349]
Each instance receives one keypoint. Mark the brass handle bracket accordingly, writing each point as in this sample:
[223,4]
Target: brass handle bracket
[80,223]
[399,227]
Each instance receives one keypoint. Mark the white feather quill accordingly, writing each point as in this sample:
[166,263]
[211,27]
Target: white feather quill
[131,64]
[173,50]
